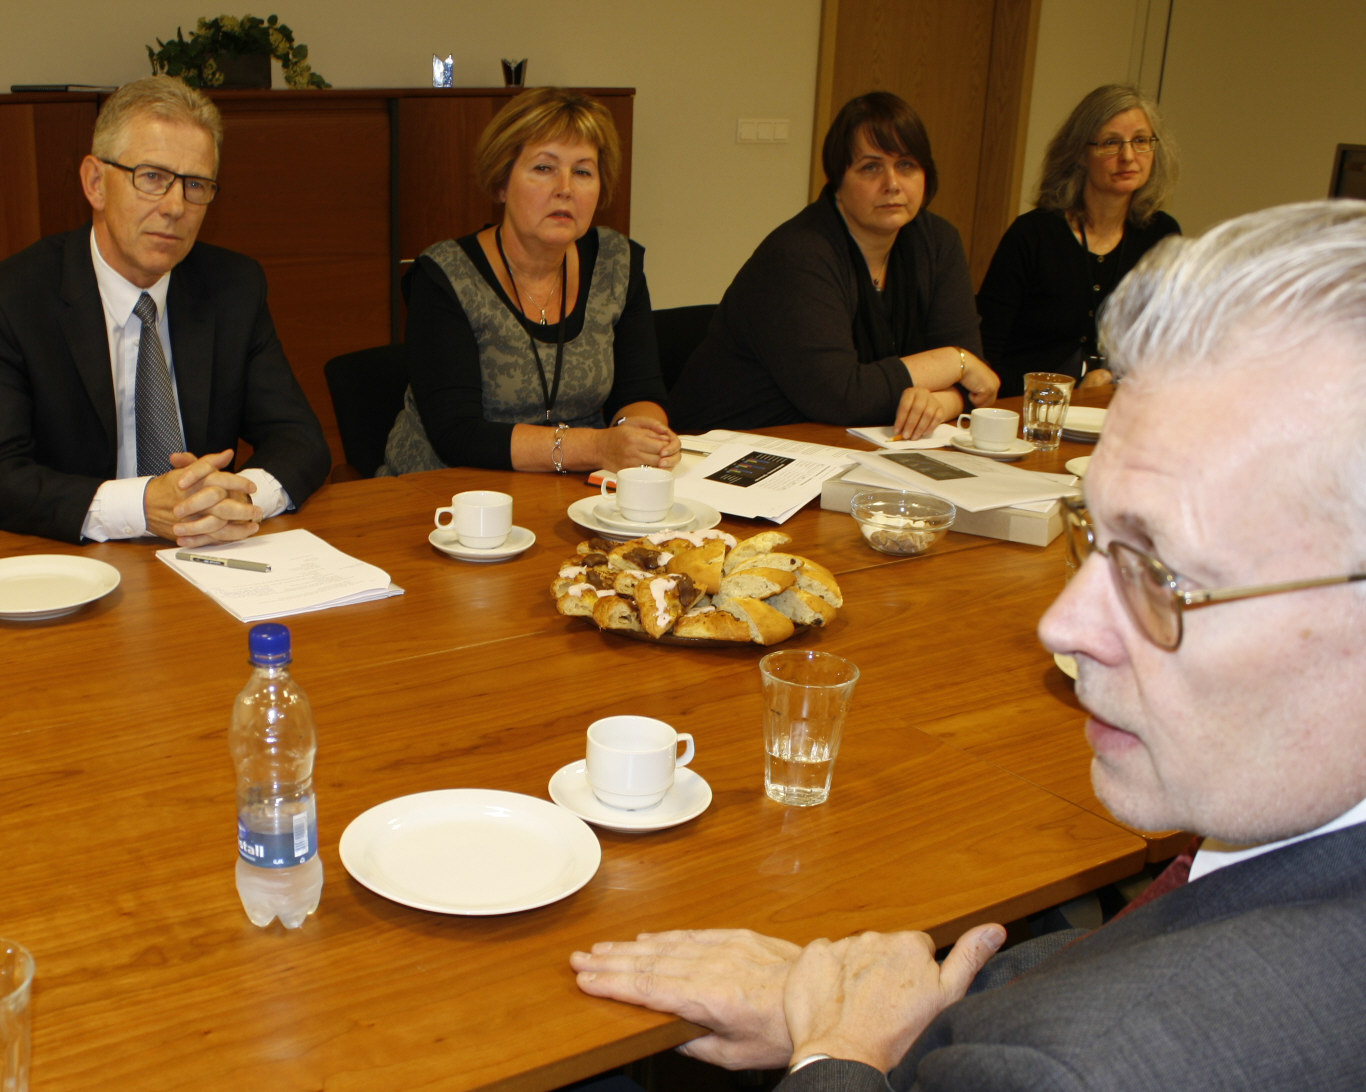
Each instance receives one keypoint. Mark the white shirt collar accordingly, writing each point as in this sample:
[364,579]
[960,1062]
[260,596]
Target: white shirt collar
[1214,855]
[119,294]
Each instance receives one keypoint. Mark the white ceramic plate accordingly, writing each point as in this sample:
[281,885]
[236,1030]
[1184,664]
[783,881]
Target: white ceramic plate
[1018,449]
[519,540]
[42,586]
[1078,465]
[470,851]
[1083,422]
[689,798]
[609,515]
[704,518]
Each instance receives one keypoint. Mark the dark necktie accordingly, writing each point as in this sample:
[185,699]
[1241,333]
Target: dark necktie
[154,402]
[1169,879]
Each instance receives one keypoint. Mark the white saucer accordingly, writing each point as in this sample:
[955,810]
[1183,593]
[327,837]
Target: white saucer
[1083,423]
[688,799]
[519,540]
[1018,449]
[609,515]
[704,517]
[1078,465]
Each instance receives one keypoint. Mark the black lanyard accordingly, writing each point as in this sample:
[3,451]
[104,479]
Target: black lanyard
[551,393]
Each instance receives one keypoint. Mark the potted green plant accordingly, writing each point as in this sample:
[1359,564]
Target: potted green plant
[226,51]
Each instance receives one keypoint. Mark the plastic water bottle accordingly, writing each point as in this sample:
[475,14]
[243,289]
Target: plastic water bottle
[273,740]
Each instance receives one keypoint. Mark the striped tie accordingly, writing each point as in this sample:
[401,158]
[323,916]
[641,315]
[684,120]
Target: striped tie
[158,422]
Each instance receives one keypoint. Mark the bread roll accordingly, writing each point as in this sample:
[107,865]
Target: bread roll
[802,607]
[766,625]
[614,612]
[701,563]
[765,542]
[710,624]
[580,600]
[818,580]
[662,600]
[775,560]
[757,582]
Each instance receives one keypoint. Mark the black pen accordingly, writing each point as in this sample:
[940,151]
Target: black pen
[229,562]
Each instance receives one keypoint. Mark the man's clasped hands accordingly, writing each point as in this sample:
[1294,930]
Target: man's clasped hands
[197,502]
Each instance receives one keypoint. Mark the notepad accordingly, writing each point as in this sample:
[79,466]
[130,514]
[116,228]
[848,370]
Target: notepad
[306,574]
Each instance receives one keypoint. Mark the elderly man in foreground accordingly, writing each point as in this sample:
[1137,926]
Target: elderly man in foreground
[126,348]
[1220,635]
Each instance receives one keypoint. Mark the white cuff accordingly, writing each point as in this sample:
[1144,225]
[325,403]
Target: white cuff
[116,511]
[270,495]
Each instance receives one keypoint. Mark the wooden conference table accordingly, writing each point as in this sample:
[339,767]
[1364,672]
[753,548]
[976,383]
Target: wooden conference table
[960,796]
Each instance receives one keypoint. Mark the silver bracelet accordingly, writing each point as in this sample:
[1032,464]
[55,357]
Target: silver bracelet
[557,449]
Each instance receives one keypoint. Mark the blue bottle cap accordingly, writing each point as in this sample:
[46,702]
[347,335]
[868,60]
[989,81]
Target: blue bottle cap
[268,644]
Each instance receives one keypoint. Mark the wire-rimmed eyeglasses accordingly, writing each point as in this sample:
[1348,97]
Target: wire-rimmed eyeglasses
[1142,145]
[157,182]
[1149,589]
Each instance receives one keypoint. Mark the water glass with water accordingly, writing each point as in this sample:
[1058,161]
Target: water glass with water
[806,698]
[1046,397]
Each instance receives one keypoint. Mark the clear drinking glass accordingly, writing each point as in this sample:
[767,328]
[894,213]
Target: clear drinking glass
[16,978]
[806,698]
[1046,397]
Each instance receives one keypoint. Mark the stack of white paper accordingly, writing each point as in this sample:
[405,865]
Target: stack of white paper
[760,477]
[305,574]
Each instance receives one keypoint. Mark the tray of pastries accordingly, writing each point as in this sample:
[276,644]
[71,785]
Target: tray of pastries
[697,587]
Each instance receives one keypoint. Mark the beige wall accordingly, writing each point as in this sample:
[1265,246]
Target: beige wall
[1288,78]
[700,201]
[1261,93]
[1235,72]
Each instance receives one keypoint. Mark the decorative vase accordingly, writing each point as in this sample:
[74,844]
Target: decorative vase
[244,70]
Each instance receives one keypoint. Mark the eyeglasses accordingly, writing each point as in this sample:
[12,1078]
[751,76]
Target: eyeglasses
[1142,145]
[1148,587]
[157,182]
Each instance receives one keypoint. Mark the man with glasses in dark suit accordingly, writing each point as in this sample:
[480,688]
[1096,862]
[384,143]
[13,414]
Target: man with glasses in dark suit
[1218,619]
[133,360]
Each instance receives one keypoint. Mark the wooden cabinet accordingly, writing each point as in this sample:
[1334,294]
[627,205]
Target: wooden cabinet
[329,190]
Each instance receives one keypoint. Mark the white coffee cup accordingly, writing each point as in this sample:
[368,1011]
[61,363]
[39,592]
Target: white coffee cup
[992,429]
[631,760]
[644,493]
[480,518]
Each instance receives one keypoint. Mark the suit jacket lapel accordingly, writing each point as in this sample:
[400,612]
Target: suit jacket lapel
[87,338]
[192,327]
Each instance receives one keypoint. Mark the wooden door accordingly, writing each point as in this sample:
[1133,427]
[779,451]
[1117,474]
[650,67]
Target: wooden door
[966,66]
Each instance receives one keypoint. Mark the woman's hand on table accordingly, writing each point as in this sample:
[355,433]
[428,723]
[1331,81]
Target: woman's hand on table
[640,441]
[729,981]
[921,410]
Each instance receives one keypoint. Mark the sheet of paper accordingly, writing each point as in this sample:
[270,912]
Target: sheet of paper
[882,436]
[306,574]
[970,481]
[759,477]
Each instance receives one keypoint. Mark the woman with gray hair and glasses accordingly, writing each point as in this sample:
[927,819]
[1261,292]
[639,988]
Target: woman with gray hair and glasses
[1106,174]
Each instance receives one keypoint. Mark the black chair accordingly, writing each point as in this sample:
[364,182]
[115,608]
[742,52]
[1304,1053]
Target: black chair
[367,392]
[679,331]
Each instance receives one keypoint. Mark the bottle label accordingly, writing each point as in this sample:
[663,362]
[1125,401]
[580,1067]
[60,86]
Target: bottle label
[293,845]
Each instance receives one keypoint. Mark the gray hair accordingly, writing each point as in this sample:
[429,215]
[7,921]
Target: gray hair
[163,97]
[1284,278]
[1062,184]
